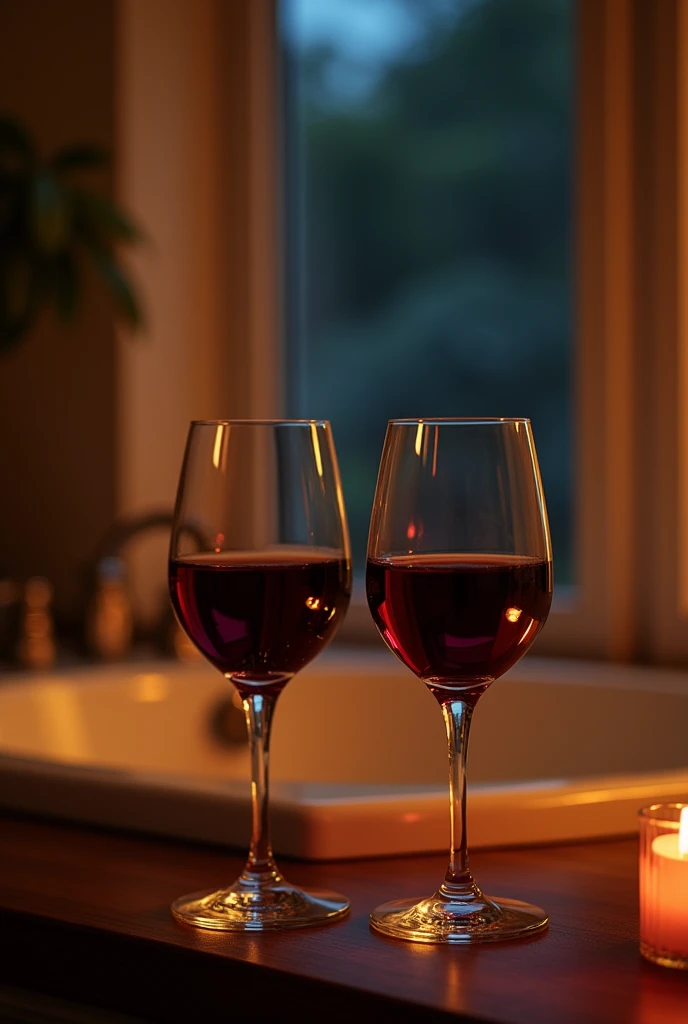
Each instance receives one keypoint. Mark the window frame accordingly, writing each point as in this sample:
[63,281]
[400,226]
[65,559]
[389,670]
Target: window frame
[662,484]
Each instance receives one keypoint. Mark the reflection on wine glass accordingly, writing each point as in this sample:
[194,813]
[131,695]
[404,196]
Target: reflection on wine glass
[262,597]
[459,583]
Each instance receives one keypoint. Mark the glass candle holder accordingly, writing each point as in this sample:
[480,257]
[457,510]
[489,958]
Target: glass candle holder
[663,884]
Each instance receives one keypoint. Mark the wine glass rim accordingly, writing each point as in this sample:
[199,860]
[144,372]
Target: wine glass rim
[259,422]
[467,420]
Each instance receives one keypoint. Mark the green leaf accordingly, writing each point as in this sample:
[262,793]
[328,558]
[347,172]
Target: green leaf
[79,157]
[98,217]
[13,204]
[49,213]
[64,284]
[12,332]
[15,139]
[18,297]
[123,292]
[18,285]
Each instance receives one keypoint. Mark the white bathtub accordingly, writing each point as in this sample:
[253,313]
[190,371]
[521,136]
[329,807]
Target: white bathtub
[358,762]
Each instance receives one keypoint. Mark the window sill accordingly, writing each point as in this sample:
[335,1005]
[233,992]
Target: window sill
[359,640]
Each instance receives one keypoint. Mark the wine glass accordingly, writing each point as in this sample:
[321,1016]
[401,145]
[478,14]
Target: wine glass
[260,597]
[459,583]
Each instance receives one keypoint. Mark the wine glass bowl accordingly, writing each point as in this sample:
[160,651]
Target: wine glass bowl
[459,584]
[260,596]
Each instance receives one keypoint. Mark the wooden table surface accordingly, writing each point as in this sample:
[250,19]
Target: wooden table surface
[84,914]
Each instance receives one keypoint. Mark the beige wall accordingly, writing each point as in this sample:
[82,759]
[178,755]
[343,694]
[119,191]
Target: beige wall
[196,161]
[57,390]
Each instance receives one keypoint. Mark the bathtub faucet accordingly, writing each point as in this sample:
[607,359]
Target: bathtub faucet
[109,628]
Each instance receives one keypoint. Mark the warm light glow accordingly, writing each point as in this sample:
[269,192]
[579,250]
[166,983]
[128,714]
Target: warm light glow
[220,446]
[513,614]
[316,449]
[411,531]
[38,593]
[62,722]
[683,832]
[313,603]
[149,688]
[419,439]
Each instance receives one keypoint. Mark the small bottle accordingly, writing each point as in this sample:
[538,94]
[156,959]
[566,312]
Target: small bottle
[36,648]
[109,626]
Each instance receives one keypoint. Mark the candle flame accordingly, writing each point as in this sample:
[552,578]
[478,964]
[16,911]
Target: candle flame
[419,439]
[316,450]
[683,833]
[220,446]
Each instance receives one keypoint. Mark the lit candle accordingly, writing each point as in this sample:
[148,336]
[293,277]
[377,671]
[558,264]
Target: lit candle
[664,896]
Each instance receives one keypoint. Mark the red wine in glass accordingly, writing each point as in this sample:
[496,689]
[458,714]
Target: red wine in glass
[459,619]
[260,615]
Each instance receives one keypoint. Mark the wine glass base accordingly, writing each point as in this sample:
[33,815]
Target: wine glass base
[491,919]
[268,908]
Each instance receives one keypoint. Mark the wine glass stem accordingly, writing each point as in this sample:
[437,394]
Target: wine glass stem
[259,709]
[457,719]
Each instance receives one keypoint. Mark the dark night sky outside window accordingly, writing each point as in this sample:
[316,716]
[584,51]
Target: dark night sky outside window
[428,224]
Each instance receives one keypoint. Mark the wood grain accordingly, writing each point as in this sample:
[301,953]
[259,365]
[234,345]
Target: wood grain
[84,914]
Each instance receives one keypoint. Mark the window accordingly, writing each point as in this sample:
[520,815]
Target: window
[467,207]
[621,369]
[428,209]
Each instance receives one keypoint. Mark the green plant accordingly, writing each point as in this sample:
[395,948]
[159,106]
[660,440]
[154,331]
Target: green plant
[53,222]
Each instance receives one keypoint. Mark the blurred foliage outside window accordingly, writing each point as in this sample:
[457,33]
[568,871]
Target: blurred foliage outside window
[428,206]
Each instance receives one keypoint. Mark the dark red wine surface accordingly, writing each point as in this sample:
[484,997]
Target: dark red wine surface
[260,616]
[459,619]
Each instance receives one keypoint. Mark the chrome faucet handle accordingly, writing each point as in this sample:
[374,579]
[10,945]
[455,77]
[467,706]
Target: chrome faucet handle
[109,626]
